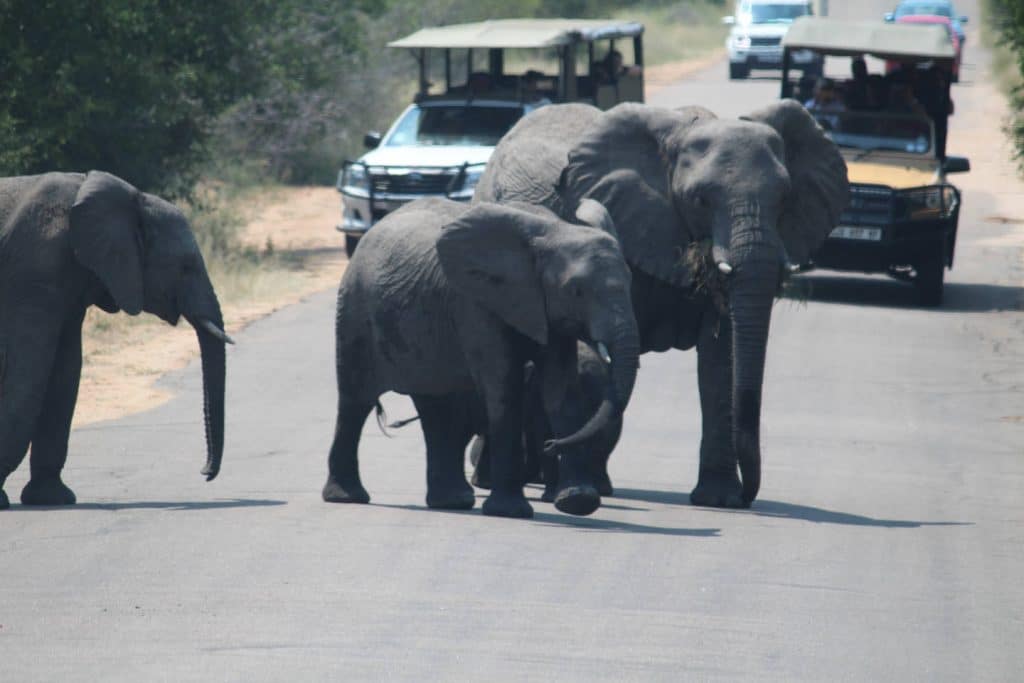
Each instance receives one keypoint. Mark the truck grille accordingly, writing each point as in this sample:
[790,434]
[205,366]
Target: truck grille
[756,41]
[869,205]
[413,183]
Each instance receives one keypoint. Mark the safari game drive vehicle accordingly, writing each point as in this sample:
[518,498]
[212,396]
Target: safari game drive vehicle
[440,144]
[902,216]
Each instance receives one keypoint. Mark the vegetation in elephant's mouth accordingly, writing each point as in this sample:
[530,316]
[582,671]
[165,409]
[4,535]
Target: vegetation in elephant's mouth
[708,281]
[706,278]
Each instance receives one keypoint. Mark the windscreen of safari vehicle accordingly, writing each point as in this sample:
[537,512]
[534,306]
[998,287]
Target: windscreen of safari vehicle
[453,125]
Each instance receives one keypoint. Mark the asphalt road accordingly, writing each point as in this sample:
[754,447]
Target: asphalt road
[887,543]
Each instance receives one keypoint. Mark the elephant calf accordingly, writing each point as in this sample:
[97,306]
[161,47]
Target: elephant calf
[68,241]
[447,303]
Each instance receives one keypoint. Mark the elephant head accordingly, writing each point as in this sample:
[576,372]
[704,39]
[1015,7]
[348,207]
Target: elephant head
[143,253]
[752,195]
[545,277]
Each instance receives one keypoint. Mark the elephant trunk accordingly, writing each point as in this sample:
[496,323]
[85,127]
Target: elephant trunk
[754,282]
[623,362]
[210,330]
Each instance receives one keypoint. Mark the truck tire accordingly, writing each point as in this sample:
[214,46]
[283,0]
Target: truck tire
[737,71]
[351,243]
[930,274]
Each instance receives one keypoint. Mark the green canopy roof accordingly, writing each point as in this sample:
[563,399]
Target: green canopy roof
[898,42]
[519,33]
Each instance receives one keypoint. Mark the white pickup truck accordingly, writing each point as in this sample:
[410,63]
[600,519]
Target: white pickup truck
[755,39]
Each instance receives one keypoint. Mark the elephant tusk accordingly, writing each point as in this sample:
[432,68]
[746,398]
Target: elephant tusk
[788,265]
[724,268]
[602,351]
[215,331]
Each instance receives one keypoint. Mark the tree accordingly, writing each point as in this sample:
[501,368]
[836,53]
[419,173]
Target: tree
[128,86]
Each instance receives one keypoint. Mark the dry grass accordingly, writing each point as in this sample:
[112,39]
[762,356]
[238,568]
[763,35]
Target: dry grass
[681,31]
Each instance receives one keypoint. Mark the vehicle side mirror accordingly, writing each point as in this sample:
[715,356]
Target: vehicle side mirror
[956,165]
[962,20]
[729,21]
[371,140]
[889,17]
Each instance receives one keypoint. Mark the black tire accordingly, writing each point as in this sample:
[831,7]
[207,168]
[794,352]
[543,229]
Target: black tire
[351,242]
[931,272]
[737,71]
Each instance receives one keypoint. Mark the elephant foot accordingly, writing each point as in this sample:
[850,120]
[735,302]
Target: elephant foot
[718,489]
[580,500]
[455,497]
[352,492]
[507,505]
[604,484]
[4,501]
[49,491]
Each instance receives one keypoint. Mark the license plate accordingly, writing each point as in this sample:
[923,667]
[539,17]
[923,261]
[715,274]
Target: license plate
[847,232]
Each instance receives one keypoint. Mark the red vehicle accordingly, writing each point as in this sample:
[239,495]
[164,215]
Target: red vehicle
[948,25]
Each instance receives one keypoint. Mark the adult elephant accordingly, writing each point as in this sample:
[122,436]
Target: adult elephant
[710,214]
[68,241]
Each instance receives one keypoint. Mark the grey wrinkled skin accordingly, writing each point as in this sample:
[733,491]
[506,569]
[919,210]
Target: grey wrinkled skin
[69,241]
[448,303]
[586,393]
[688,191]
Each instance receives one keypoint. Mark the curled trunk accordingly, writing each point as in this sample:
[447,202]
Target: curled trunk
[624,352]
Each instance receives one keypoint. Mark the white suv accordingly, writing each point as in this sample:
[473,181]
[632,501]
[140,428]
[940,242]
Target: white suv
[755,41]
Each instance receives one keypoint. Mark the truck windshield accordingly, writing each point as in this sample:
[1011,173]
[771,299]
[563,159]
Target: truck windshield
[909,9]
[471,125]
[776,14]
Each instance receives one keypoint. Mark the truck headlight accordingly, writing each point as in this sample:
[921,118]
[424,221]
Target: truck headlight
[355,180]
[922,203]
[741,42]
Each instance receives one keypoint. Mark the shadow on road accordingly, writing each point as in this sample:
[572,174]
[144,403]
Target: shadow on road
[157,505]
[772,508]
[959,297]
[582,523]
[596,524]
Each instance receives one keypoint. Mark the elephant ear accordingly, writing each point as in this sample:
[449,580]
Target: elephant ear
[106,236]
[624,161]
[817,172]
[487,254]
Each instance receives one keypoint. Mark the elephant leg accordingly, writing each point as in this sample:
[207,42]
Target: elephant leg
[53,428]
[27,349]
[446,430]
[606,445]
[343,482]
[502,389]
[576,490]
[718,482]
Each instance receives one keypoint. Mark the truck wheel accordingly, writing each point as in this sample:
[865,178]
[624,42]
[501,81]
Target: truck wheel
[350,245]
[737,71]
[930,273]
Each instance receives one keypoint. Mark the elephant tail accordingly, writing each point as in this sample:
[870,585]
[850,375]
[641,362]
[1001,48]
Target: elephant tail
[382,420]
